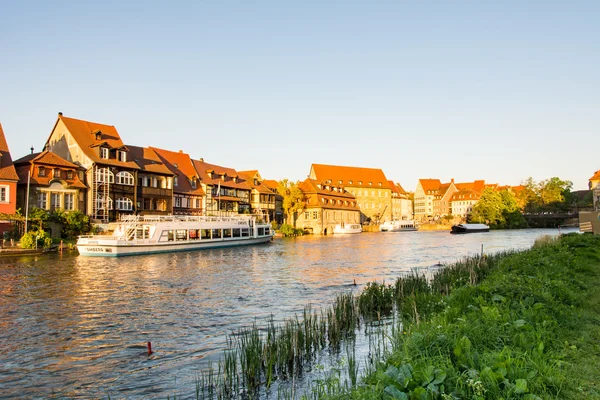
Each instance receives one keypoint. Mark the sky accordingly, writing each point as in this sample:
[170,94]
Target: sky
[494,90]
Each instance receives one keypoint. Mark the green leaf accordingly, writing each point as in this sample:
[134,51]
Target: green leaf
[521,386]
[440,376]
[520,322]
[395,393]
[498,298]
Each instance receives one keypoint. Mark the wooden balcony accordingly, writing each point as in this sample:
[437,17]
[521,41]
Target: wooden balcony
[153,191]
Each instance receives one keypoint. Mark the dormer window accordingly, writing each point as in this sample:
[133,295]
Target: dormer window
[360,182]
[122,155]
[104,151]
[193,183]
[370,183]
[98,135]
[224,176]
[349,182]
[41,171]
[175,181]
[56,173]
[340,181]
[379,183]
[69,174]
[210,173]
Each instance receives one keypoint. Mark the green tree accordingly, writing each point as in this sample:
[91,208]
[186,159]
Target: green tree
[489,208]
[293,199]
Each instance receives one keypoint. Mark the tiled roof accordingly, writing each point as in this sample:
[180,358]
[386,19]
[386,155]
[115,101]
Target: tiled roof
[7,169]
[84,133]
[25,164]
[360,177]
[251,173]
[180,164]
[271,183]
[327,196]
[203,168]
[430,184]
[147,160]
[596,176]
[249,177]
[47,158]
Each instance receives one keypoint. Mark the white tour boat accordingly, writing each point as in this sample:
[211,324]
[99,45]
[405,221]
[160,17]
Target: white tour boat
[345,228]
[149,234]
[399,226]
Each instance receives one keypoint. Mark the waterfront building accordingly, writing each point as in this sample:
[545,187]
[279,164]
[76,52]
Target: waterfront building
[154,190]
[273,185]
[188,195]
[51,183]
[594,186]
[110,174]
[8,183]
[326,206]
[226,191]
[369,186]
[467,195]
[262,197]
[427,198]
[402,205]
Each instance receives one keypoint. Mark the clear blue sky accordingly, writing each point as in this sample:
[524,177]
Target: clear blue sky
[494,90]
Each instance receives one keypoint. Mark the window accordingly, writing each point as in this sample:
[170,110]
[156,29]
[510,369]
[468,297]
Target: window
[177,201]
[123,203]
[315,214]
[41,171]
[4,194]
[69,174]
[175,181]
[56,173]
[105,175]
[54,201]
[42,200]
[69,201]
[121,155]
[125,178]
[194,184]
[104,152]
[197,203]
[306,214]
[100,203]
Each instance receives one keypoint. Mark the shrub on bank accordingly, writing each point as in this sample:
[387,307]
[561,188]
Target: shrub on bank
[288,230]
[36,239]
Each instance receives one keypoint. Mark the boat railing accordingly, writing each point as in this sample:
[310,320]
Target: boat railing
[133,219]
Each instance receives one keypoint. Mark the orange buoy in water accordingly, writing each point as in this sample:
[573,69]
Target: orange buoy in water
[149,348]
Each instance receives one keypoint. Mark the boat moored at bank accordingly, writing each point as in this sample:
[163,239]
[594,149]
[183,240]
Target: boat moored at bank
[150,234]
[347,228]
[399,226]
[469,228]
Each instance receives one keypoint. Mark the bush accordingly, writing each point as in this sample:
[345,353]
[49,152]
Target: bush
[288,230]
[35,239]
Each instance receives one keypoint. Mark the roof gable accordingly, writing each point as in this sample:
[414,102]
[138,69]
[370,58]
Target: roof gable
[7,169]
[349,176]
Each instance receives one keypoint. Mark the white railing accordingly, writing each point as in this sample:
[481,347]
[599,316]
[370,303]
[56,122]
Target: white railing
[129,219]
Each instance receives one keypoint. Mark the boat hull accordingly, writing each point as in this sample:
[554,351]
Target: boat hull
[464,228]
[112,248]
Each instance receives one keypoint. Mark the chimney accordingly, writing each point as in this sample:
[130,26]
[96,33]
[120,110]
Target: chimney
[31,148]
[60,114]
[181,151]
[452,180]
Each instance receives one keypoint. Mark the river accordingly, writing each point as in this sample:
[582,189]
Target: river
[76,327]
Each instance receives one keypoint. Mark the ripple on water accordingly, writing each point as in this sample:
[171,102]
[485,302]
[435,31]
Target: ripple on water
[78,327]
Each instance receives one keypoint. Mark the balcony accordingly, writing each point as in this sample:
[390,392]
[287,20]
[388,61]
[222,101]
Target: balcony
[153,191]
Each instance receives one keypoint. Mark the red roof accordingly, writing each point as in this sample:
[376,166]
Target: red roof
[90,135]
[7,169]
[48,160]
[596,176]
[227,177]
[147,160]
[180,164]
[327,196]
[349,176]
[430,184]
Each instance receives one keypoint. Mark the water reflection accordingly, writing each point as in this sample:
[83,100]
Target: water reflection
[77,327]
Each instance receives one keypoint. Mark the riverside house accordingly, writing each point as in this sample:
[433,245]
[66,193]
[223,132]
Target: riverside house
[326,206]
[402,205]
[51,182]
[432,199]
[8,183]
[187,191]
[369,186]
[273,185]
[154,190]
[226,191]
[262,197]
[110,174]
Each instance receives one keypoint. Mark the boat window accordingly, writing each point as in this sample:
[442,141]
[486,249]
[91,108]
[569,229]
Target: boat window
[245,232]
[216,234]
[227,233]
[181,234]
[194,234]
[171,236]
[267,231]
[205,234]
[261,231]
[164,236]
[237,232]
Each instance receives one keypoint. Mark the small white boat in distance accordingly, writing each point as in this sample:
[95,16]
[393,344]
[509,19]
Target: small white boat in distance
[470,228]
[149,234]
[399,226]
[346,228]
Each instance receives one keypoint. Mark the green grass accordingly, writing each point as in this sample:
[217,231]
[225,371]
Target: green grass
[515,325]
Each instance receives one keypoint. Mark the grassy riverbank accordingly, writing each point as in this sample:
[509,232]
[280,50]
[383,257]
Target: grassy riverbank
[530,329]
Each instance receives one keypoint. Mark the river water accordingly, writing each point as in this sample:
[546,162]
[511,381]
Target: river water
[76,327]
